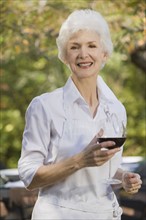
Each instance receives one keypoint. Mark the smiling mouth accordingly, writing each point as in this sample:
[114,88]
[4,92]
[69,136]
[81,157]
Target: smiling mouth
[85,65]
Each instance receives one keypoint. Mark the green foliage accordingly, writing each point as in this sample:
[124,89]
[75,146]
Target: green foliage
[29,63]
[128,83]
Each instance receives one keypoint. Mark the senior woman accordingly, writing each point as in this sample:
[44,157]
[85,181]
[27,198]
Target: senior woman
[61,155]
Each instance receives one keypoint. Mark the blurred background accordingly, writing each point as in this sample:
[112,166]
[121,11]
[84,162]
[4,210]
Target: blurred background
[30,66]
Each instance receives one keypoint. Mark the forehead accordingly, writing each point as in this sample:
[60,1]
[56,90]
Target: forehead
[84,36]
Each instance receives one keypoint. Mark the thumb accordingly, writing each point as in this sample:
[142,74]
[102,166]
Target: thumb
[93,141]
[100,133]
[128,175]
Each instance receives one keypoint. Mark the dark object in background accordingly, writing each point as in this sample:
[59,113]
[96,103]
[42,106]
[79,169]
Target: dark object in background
[16,202]
[20,202]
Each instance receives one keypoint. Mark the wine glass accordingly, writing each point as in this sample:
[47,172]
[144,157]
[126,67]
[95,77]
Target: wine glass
[113,130]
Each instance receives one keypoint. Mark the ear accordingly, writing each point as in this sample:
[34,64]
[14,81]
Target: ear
[105,57]
[64,59]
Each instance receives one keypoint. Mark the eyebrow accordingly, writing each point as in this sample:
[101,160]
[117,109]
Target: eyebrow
[76,43]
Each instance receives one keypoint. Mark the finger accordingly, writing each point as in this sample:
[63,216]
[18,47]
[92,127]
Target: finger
[133,191]
[100,157]
[100,133]
[132,178]
[103,156]
[92,146]
[100,161]
[93,141]
[127,177]
[137,185]
[129,187]
[92,151]
[134,188]
[95,161]
[108,149]
[95,147]
[107,144]
[138,178]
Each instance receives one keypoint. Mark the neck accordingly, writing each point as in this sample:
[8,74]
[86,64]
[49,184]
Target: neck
[88,89]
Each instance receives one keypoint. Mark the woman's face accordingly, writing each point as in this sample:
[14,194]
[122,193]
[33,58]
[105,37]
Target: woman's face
[84,54]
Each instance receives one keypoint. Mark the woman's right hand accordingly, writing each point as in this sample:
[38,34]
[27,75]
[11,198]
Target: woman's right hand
[96,154]
[93,155]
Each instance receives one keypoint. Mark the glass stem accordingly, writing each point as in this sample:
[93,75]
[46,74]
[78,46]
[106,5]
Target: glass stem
[110,169]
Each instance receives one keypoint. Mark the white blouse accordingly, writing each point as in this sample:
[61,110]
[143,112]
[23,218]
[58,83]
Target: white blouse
[59,125]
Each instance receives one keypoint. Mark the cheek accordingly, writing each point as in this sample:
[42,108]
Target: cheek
[70,58]
[100,57]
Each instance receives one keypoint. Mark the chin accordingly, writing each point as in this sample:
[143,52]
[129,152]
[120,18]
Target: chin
[86,76]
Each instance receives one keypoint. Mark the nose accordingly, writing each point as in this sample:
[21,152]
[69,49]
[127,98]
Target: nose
[83,53]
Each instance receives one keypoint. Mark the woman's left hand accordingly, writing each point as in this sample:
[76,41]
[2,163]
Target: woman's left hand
[131,182]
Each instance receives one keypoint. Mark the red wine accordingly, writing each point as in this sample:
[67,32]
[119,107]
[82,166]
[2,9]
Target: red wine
[119,141]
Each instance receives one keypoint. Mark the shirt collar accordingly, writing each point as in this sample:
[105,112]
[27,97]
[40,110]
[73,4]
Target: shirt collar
[104,92]
[71,93]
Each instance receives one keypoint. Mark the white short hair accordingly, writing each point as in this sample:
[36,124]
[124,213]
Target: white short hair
[86,19]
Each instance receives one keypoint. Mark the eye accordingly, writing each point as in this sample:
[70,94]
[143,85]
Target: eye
[92,46]
[74,47]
